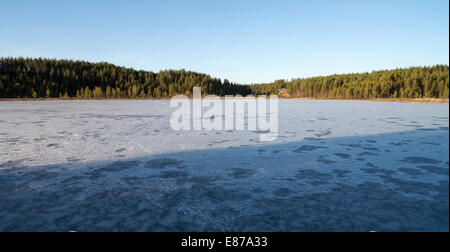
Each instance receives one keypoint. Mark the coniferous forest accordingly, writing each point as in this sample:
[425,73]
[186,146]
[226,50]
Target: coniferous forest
[50,78]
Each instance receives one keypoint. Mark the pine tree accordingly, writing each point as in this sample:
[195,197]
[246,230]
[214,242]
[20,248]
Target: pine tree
[34,94]
[2,91]
[87,93]
[48,94]
[98,93]
[108,92]
[66,96]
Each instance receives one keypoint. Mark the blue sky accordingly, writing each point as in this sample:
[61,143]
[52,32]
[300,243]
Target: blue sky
[245,41]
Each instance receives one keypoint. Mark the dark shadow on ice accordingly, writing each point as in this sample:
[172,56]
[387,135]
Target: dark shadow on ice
[358,183]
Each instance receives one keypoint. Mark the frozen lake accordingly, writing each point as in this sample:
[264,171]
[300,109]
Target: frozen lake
[118,166]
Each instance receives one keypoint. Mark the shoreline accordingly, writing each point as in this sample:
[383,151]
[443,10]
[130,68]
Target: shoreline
[401,100]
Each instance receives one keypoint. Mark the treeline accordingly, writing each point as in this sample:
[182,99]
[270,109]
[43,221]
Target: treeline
[414,82]
[49,78]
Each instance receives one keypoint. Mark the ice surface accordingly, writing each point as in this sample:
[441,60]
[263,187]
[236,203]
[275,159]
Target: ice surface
[117,165]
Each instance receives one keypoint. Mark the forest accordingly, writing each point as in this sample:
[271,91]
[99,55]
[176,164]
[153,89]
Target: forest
[67,79]
[413,82]
[49,78]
